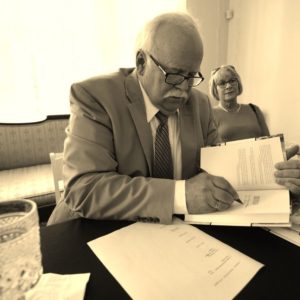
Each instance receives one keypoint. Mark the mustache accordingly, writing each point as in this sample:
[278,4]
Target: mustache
[178,94]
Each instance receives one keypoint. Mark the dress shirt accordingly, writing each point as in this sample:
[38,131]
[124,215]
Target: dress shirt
[175,143]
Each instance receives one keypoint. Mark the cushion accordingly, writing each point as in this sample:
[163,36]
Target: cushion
[25,145]
[34,183]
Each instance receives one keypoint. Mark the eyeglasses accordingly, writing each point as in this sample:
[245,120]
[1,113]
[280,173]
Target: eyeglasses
[176,78]
[222,84]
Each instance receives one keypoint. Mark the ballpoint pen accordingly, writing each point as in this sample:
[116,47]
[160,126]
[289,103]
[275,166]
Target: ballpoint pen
[238,200]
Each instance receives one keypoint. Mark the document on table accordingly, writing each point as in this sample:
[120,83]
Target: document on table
[291,234]
[177,261]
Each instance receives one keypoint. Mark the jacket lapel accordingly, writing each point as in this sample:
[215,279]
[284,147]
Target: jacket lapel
[137,110]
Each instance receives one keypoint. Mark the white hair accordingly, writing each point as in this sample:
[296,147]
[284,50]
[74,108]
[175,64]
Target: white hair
[146,38]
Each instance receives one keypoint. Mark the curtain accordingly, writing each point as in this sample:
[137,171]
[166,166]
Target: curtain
[46,45]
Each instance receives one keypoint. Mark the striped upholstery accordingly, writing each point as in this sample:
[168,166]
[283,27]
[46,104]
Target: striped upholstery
[25,169]
[30,144]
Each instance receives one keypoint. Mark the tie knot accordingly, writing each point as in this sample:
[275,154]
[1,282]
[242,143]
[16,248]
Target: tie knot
[161,117]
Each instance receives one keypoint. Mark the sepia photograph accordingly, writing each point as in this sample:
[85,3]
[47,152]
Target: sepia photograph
[149,149]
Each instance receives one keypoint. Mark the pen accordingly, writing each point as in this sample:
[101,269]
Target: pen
[238,200]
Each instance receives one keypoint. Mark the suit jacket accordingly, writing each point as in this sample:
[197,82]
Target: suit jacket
[108,152]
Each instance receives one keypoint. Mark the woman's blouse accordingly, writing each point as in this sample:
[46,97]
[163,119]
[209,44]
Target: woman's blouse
[241,124]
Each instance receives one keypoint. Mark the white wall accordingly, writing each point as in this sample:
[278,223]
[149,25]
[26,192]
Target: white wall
[213,27]
[264,45]
[262,41]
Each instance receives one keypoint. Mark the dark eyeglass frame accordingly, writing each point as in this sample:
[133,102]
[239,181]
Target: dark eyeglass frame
[181,77]
[223,84]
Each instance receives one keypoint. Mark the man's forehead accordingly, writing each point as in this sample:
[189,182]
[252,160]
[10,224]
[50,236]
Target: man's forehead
[179,67]
[178,50]
[180,61]
[177,36]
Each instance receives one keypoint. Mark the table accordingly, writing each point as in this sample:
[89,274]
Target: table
[65,251]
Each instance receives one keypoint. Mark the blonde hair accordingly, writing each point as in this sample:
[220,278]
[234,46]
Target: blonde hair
[215,75]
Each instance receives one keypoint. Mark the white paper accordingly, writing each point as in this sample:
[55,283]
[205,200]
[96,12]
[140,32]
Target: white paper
[246,164]
[178,261]
[259,207]
[53,286]
[291,234]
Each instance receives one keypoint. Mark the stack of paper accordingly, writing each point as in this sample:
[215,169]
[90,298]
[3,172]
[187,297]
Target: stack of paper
[153,261]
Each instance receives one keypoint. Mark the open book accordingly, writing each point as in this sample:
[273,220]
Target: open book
[249,166]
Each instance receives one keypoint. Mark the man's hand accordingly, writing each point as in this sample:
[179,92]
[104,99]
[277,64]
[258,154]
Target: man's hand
[288,172]
[291,151]
[207,193]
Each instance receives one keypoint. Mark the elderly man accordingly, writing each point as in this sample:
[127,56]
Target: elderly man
[134,137]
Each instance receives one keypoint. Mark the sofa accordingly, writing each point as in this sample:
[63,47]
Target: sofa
[25,168]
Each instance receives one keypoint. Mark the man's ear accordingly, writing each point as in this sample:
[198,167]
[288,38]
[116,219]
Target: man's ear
[140,62]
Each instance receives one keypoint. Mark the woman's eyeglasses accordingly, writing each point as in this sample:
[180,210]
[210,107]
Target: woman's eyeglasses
[222,84]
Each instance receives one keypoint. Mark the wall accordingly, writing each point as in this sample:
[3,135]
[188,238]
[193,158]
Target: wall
[213,27]
[263,43]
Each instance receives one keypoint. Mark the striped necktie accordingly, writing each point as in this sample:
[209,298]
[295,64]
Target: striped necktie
[163,164]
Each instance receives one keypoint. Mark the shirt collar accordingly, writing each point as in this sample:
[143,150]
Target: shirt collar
[151,110]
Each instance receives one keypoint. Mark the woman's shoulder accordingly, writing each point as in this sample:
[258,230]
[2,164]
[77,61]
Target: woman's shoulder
[253,107]
[249,106]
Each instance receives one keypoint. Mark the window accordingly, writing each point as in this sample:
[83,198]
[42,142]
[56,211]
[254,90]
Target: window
[47,45]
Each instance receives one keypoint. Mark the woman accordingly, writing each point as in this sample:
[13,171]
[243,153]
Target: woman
[235,121]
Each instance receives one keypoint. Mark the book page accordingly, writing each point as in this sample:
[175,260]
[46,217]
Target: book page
[177,261]
[259,207]
[247,165]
